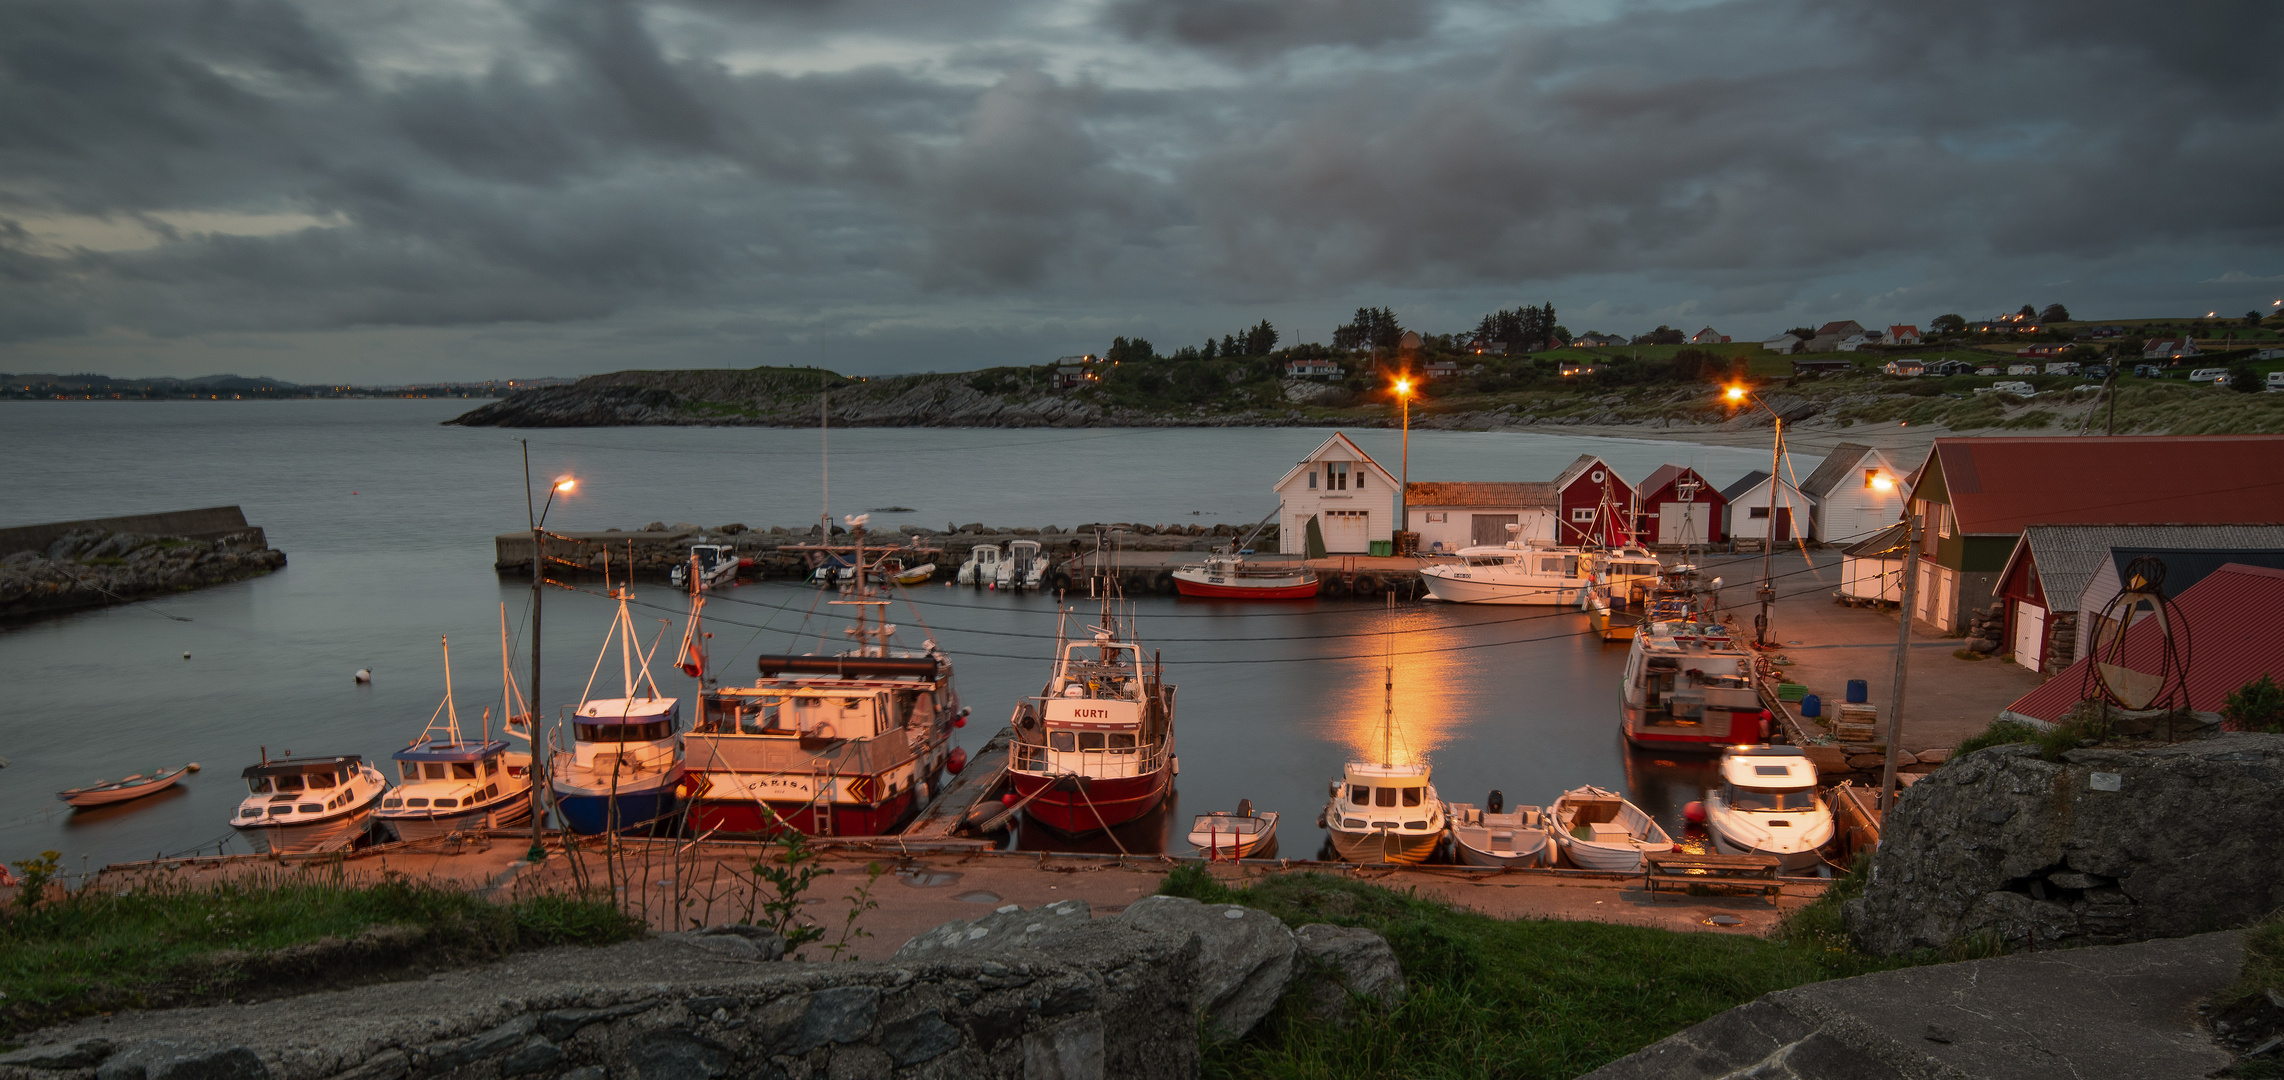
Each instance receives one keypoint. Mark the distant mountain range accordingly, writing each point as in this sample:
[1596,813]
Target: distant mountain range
[204,384]
[47,386]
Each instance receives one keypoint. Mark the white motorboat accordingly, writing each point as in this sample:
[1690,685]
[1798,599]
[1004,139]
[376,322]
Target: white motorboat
[1599,830]
[1522,572]
[451,784]
[1385,812]
[1494,836]
[302,805]
[982,565]
[1767,805]
[1023,568]
[1239,834]
[713,564]
[134,787]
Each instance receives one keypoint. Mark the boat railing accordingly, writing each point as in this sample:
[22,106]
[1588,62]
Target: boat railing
[1101,764]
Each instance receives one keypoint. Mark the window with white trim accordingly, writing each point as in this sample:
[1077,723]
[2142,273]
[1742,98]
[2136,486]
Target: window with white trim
[1582,514]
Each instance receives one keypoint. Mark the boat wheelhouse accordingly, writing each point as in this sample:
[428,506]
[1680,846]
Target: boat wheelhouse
[1025,566]
[1095,749]
[843,744]
[1767,805]
[300,805]
[451,784]
[1688,686]
[622,772]
[1385,813]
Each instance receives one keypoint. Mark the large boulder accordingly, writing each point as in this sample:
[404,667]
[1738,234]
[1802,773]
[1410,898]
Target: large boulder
[1010,927]
[1339,964]
[2103,846]
[1245,958]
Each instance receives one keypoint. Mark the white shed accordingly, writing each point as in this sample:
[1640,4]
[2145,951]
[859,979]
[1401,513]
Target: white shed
[1449,516]
[1746,509]
[1872,568]
[1352,499]
[1856,492]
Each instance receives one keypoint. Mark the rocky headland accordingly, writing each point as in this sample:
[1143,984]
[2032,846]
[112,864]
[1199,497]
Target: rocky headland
[92,567]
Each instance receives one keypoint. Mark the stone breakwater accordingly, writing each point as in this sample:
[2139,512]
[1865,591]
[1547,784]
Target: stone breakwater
[1044,994]
[93,567]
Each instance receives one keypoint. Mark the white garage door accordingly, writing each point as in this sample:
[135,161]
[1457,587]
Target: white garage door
[2029,634]
[1347,532]
[1682,523]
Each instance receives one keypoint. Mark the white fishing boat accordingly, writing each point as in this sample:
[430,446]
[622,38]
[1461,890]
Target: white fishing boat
[1385,811]
[982,565]
[1767,805]
[1025,567]
[108,792]
[302,805]
[1494,836]
[454,785]
[1599,830]
[712,565]
[1238,834]
[1527,572]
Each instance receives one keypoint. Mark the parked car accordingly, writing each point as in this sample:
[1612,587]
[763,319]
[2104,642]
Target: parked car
[2095,371]
[1988,371]
[2217,375]
[1950,367]
[2018,389]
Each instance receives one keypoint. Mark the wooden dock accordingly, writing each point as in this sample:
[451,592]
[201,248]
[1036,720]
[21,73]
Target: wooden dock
[980,780]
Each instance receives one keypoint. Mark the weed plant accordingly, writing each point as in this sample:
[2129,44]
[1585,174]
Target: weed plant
[1499,998]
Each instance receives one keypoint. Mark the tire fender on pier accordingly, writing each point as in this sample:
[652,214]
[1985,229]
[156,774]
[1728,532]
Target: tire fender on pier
[1163,583]
[1367,586]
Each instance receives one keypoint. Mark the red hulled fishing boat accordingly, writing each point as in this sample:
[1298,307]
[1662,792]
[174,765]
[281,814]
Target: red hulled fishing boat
[1095,749]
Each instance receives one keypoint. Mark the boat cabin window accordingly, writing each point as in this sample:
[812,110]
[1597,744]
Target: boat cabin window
[447,802]
[1360,795]
[289,783]
[1119,743]
[1411,796]
[259,785]
[491,766]
[410,769]
[1063,740]
[433,770]
[416,802]
[615,733]
[463,770]
[1802,798]
[1486,560]
[1384,796]
[321,780]
[1090,740]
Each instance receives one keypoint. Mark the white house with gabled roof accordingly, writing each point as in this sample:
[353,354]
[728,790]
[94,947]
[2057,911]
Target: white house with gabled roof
[1351,497]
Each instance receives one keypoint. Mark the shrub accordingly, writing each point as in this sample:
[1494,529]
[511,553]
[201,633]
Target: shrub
[2256,706]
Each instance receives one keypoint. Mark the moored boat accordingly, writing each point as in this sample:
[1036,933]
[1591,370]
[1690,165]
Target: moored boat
[1525,573]
[1095,749]
[1025,566]
[1687,685]
[710,565]
[1494,836]
[1385,811]
[450,784]
[302,805]
[622,772]
[1238,834]
[1225,576]
[1597,829]
[982,565]
[1767,805]
[129,788]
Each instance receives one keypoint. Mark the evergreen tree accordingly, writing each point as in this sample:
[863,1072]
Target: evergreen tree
[1212,348]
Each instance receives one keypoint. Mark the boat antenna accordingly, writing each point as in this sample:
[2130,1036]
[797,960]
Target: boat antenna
[509,692]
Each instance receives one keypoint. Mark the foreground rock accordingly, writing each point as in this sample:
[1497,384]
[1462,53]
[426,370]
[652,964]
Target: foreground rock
[2126,1012]
[93,567]
[2104,846]
[680,1008]
[1245,958]
[1339,964]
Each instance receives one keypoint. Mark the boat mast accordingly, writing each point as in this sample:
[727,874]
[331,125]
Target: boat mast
[451,712]
[1388,693]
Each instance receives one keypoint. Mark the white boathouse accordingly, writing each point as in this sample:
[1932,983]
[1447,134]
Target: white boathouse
[1350,496]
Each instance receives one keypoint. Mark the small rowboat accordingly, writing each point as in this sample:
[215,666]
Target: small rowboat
[915,575]
[1240,835]
[133,787]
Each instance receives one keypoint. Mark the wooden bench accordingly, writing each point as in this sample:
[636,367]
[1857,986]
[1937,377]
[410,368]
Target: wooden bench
[1679,868]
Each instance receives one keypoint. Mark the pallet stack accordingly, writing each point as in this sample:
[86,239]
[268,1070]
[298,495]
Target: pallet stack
[1857,729]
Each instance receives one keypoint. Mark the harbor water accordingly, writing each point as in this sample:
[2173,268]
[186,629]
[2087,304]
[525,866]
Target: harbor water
[388,518]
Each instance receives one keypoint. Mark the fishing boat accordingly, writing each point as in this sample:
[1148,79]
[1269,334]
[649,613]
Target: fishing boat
[1526,571]
[1767,805]
[1095,748]
[851,743]
[300,805]
[1385,811]
[1491,835]
[1687,685]
[105,793]
[1599,830]
[710,565]
[1025,567]
[450,784]
[622,772]
[982,565]
[1227,576]
[1238,834]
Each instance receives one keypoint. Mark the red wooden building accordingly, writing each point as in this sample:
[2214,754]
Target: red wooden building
[1581,490]
[1676,507]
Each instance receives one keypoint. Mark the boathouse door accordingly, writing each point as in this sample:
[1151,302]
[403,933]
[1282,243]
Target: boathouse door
[1347,532]
[1490,530]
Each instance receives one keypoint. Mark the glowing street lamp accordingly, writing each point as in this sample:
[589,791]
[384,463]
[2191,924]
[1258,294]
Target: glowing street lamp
[1737,394]
[1404,483]
[562,486]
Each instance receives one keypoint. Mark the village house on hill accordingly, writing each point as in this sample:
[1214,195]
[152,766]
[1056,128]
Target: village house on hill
[2170,349]
[1349,497]
[1708,336]
[1783,345]
[1975,496]
[1903,335]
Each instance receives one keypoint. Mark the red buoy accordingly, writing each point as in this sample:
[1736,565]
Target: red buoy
[958,760]
[1007,799]
[960,720]
[1694,813]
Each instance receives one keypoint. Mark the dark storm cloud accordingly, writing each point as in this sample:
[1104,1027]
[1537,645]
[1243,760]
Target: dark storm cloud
[810,168]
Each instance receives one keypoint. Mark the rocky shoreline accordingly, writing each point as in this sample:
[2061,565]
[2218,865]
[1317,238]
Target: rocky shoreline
[94,567]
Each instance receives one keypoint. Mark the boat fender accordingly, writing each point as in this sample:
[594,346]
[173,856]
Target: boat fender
[1007,799]
[958,760]
[1177,762]
[363,675]
[1320,819]
[1694,813]
[1163,583]
[920,791]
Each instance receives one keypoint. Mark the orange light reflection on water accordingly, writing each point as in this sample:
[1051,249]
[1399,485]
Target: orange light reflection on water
[1430,688]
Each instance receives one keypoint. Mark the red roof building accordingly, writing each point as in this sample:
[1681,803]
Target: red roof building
[1679,507]
[2230,617]
[1580,490]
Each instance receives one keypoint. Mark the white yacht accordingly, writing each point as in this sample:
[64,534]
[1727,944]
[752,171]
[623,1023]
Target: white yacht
[982,566]
[301,805]
[1528,572]
[1767,805]
[712,565]
[1025,567]
[451,784]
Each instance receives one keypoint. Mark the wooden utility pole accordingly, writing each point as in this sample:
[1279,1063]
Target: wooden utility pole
[1902,659]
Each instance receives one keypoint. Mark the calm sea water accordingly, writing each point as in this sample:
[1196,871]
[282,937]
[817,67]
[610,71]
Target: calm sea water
[388,520]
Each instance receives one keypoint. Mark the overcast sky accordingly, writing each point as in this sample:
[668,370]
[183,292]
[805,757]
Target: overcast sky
[386,190]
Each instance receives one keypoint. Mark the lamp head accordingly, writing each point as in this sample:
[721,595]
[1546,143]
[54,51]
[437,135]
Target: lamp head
[1403,386]
[1883,483]
[1736,393]
[566,484]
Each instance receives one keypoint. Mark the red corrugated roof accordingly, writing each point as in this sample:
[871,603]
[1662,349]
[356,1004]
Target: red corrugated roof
[2232,641]
[1998,486]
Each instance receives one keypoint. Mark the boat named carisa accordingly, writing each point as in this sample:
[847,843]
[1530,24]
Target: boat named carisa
[842,744]
[451,784]
[1095,749]
[301,805]
[623,770]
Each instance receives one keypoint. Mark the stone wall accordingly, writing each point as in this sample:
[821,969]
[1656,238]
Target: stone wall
[2106,845]
[211,523]
[92,567]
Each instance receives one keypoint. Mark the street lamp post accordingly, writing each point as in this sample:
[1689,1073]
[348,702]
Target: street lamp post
[1767,591]
[538,522]
[1404,483]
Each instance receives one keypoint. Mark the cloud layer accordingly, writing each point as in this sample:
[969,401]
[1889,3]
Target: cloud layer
[441,189]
